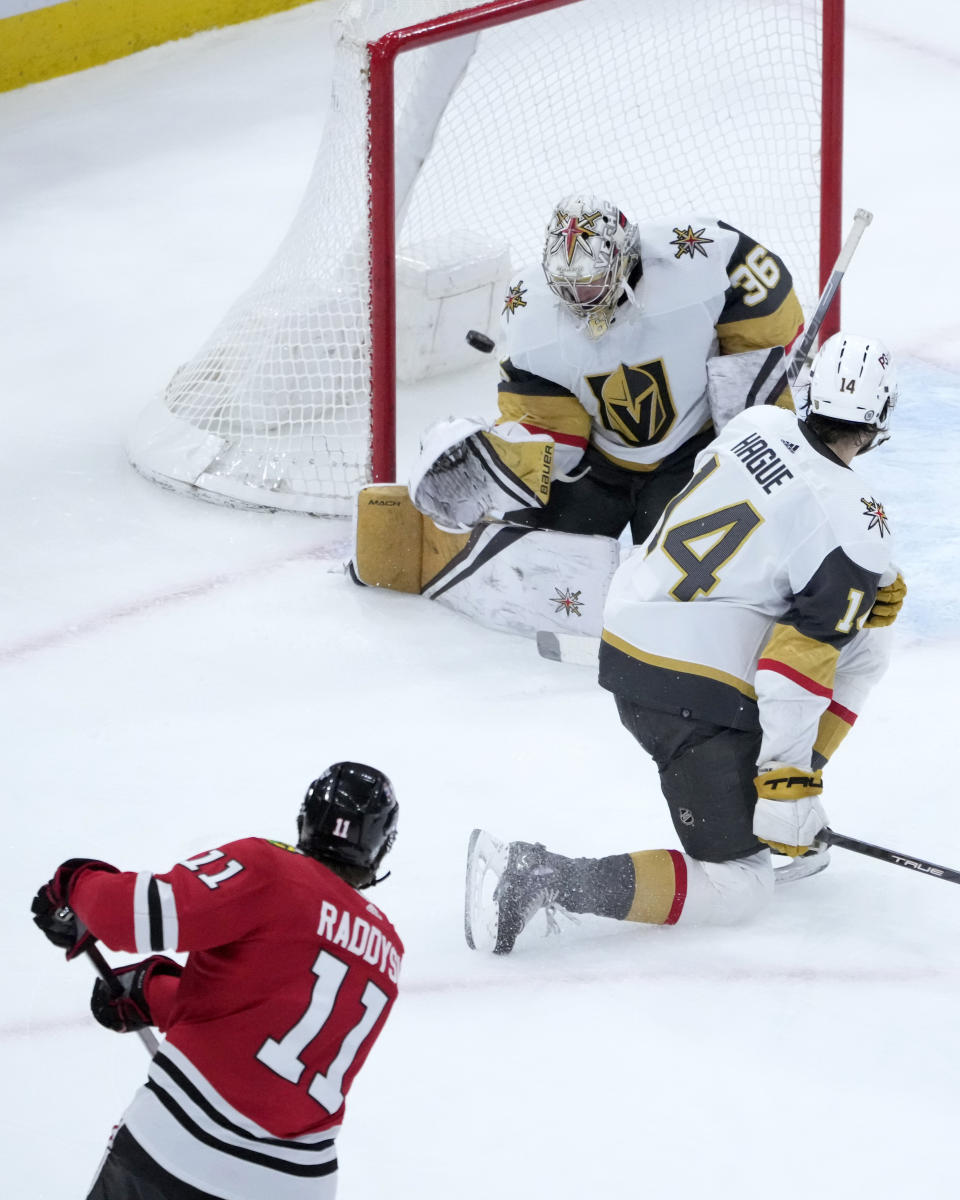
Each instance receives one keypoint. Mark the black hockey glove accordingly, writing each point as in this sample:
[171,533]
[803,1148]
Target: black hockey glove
[51,906]
[127,1011]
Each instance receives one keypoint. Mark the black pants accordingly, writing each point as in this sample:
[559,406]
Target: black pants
[129,1173]
[608,498]
[706,776]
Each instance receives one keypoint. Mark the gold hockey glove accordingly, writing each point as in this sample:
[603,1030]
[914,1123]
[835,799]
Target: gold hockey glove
[788,815]
[886,607]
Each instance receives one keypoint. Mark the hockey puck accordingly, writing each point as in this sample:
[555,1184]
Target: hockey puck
[480,341]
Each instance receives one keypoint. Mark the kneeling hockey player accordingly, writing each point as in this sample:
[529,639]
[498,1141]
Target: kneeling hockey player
[740,642]
[289,979]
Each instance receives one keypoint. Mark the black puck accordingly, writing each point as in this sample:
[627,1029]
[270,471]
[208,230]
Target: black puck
[480,341]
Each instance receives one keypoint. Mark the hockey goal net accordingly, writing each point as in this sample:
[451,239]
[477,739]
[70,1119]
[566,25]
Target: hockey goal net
[451,133]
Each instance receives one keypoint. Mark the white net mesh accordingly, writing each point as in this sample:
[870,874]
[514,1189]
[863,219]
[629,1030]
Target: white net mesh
[664,106]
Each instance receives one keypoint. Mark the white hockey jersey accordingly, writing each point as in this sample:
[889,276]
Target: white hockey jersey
[750,593]
[638,392]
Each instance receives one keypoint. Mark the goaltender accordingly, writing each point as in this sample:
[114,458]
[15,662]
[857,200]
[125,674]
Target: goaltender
[613,346]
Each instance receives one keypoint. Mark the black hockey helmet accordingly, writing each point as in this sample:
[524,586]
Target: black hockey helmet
[349,819]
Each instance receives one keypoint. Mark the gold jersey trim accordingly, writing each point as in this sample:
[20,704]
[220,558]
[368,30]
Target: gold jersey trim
[678,664]
[830,733]
[779,328]
[810,658]
[558,414]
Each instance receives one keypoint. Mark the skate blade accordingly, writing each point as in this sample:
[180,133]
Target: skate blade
[486,860]
[802,868]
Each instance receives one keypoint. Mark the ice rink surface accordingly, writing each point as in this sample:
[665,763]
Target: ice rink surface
[175,673]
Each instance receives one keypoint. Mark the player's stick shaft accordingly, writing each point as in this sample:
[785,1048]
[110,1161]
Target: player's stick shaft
[910,861]
[102,967]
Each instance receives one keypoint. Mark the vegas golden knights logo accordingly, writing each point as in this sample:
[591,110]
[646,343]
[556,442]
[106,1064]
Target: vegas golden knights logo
[635,402]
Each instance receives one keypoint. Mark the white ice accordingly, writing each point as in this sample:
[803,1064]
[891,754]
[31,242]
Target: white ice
[175,673]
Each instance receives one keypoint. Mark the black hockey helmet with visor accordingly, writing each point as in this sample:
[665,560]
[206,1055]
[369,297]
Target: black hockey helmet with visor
[349,817]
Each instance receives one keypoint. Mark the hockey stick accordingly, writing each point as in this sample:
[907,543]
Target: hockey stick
[102,967]
[911,862]
[568,647]
[762,390]
[861,219]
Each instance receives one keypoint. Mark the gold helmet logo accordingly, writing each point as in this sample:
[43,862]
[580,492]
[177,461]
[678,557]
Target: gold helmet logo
[635,402]
[572,233]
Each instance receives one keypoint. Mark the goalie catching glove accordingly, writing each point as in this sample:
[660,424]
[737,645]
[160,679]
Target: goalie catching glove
[788,815]
[129,1010]
[467,472]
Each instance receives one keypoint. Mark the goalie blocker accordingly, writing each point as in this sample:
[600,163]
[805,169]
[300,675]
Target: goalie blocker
[511,578]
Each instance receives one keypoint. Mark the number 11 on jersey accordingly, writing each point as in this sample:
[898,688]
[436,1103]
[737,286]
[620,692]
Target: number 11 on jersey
[283,1057]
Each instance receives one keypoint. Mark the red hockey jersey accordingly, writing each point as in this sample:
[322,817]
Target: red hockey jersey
[290,977]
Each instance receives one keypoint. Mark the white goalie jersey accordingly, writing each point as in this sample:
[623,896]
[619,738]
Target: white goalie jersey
[638,391]
[746,604]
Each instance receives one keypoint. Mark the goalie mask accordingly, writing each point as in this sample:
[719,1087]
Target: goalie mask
[349,817]
[589,252]
[852,380]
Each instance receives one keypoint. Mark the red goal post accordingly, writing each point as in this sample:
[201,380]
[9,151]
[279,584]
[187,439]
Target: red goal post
[478,118]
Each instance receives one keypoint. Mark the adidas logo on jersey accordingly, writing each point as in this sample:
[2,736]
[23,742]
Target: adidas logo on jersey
[791,446]
[762,462]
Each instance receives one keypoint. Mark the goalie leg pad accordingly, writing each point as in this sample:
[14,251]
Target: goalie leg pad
[506,577]
[395,546]
[522,580]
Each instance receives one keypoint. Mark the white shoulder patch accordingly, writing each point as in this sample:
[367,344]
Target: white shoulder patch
[683,263]
[863,526]
[529,316]
[691,238]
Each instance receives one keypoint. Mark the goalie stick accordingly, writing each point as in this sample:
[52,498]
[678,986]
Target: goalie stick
[761,385]
[861,219]
[568,648]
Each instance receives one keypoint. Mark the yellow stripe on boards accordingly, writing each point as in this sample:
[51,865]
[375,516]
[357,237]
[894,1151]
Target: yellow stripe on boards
[85,33]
